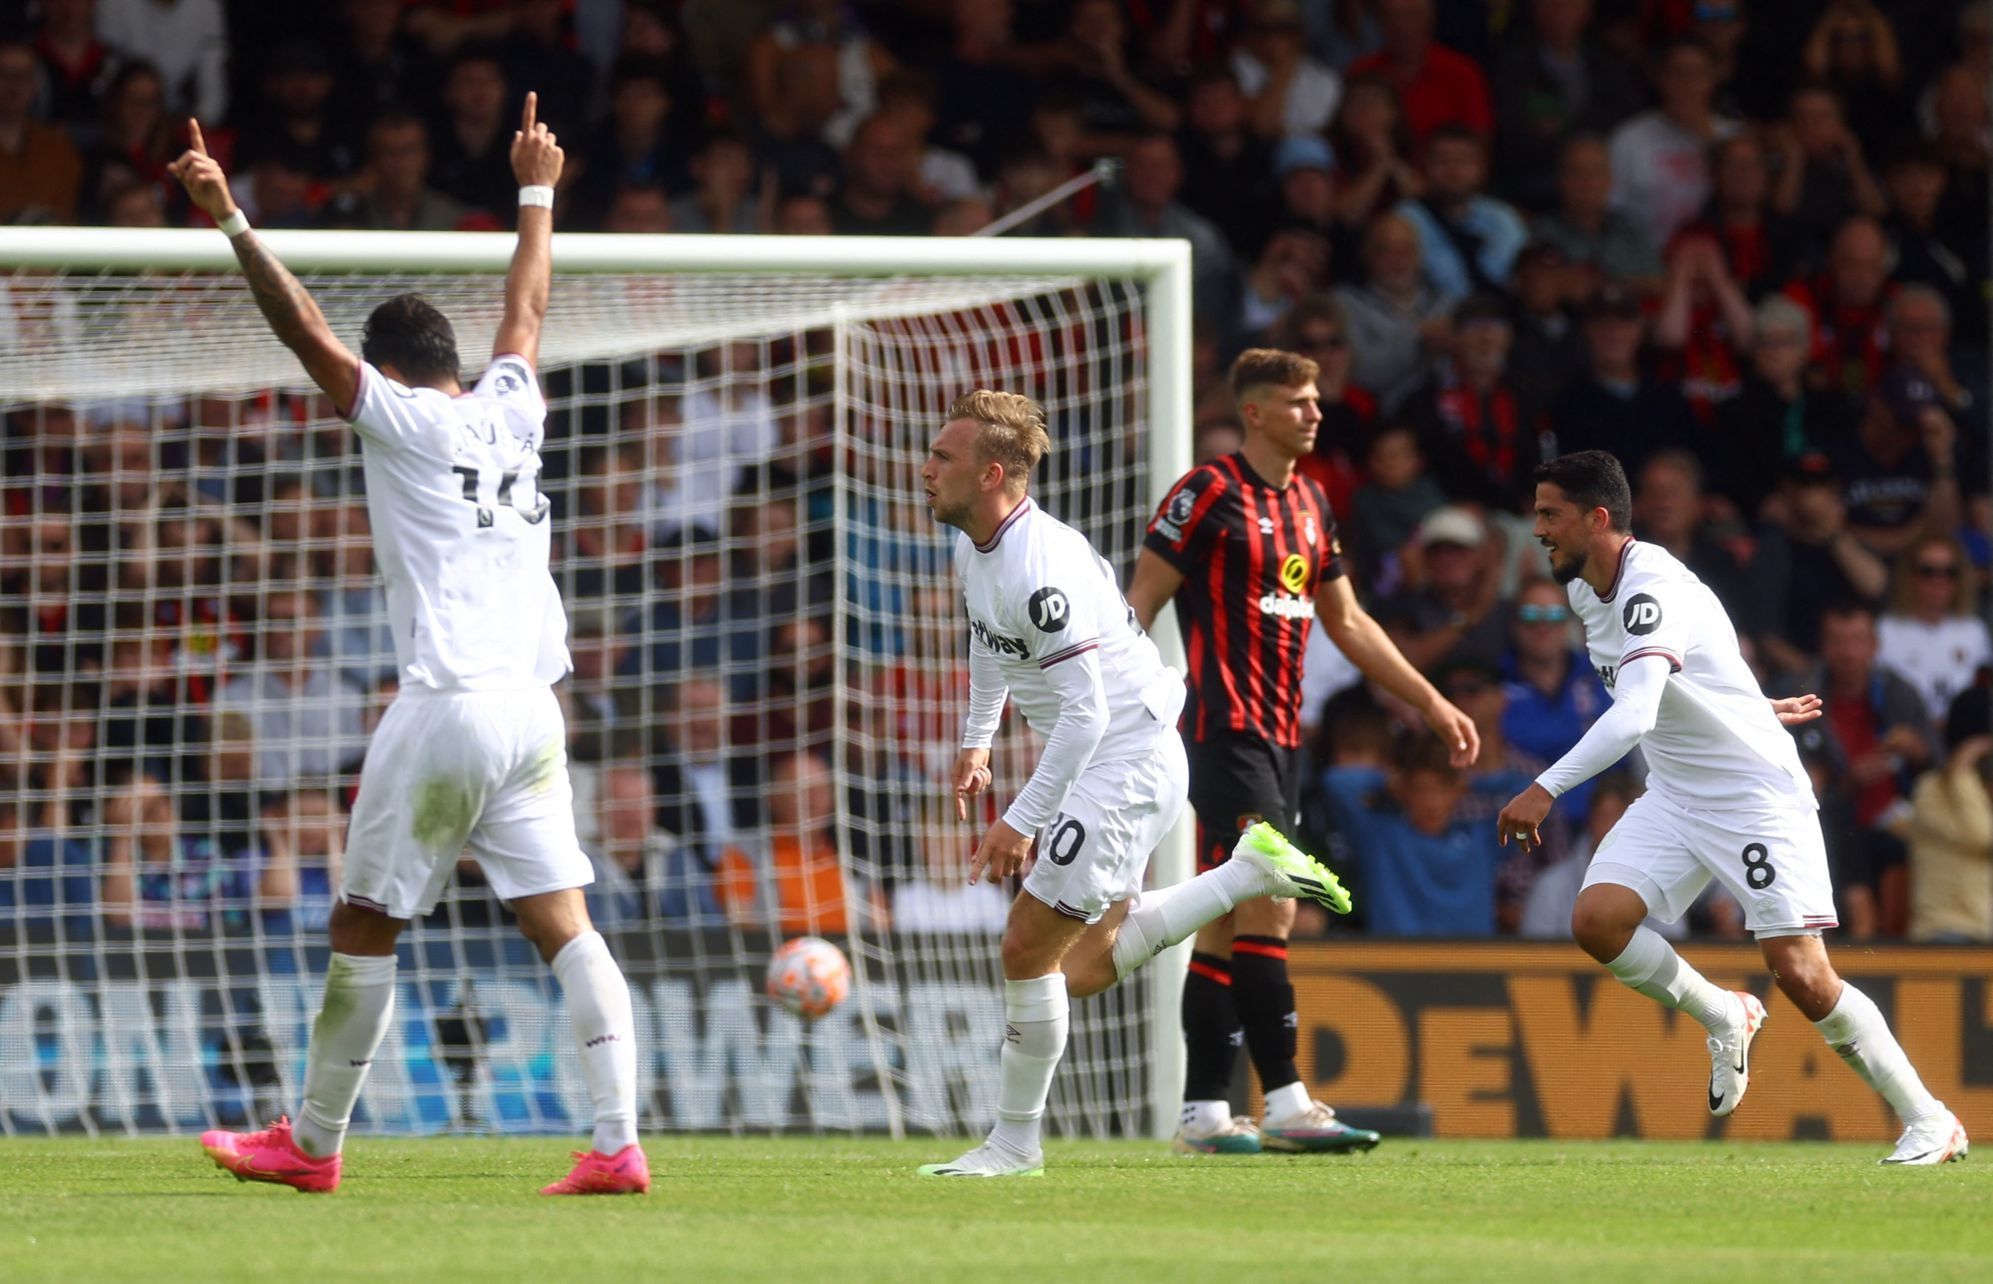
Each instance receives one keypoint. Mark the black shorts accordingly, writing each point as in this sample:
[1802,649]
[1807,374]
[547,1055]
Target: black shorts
[1235,781]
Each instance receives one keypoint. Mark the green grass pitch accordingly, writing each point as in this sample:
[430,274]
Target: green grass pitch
[818,1209]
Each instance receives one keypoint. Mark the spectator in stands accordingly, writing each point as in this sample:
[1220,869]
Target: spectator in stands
[1477,427]
[1291,92]
[1805,562]
[1304,166]
[139,205]
[538,55]
[1426,869]
[802,215]
[602,707]
[832,29]
[1960,119]
[939,899]
[44,874]
[1436,85]
[790,878]
[608,541]
[644,209]
[1660,175]
[1925,252]
[187,40]
[1290,265]
[352,604]
[1668,510]
[1469,240]
[636,144]
[708,794]
[1877,718]
[1606,244]
[396,195]
[1146,205]
[1553,81]
[1823,179]
[790,141]
[472,151]
[693,622]
[1761,248]
[1548,351]
[1373,150]
[642,874]
[1703,326]
[1090,64]
[307,715]
[1553,695]
[1852,53]
[1847,302]
[76,64]
[296,864]
[982,100]
[295,115]
[1900,467]
[1397,323]
[156,877]
[906,97]
[1226,165]
[1387,509]
[1775,417]
[40,171]
[729,424]
[1919,325]
[1932,633]
[723,199]
[377,65]
[1614,405]
[877,196]
[1452,609]
[1500,772]
[1316,328]
[1546,910]
[1950,833]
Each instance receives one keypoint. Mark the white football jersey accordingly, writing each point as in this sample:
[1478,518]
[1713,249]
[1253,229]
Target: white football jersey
[461,531]
[1039,599]
[1716,741]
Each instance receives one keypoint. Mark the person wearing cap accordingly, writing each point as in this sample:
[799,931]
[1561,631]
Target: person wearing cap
[1901,467]
[1479,432]
[1292,93]
[1614,405]
[1453,611]
[1470,239]
[1806,561]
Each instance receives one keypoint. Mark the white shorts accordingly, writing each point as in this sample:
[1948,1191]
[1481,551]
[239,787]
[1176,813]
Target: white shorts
[1773,860]
[1097,848]
[446,769]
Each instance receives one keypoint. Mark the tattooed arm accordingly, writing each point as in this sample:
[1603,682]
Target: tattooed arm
[289,308]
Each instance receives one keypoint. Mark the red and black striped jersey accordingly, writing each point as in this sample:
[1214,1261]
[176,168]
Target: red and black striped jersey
[1252,555]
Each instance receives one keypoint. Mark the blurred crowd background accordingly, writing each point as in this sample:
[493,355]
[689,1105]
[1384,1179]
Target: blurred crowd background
[1743,246]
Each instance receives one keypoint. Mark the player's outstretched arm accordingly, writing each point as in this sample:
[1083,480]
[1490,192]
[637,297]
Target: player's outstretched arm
[536,163]
[1359,636]
[289,308]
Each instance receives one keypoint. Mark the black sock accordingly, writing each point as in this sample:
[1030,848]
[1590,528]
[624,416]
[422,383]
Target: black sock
[1210,1029]
[1265,1001]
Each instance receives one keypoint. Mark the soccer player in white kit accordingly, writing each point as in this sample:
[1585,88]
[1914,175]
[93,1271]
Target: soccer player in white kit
[1726,797]
[1049,628]
[472,751]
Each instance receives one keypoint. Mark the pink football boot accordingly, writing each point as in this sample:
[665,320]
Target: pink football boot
[271,1156]
[626,1172]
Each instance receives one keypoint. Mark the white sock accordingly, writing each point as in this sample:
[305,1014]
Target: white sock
[1034,1038]
[1287,1102]
[352,1020]
[598,1002]
[1858,1034]
[1164,916]
[1205,1116]
[1650,965]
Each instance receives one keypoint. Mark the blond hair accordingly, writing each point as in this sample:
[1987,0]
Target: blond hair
[1258,368]
[1013,432]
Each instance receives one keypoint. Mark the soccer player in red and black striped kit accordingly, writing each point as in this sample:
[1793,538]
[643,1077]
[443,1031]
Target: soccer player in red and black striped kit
[1248,550]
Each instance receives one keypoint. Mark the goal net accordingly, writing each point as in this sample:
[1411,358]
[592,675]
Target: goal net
[770,675]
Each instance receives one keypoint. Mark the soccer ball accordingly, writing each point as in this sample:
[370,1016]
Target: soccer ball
[809,976]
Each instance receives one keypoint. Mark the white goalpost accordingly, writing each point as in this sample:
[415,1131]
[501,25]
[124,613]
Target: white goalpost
[769,651]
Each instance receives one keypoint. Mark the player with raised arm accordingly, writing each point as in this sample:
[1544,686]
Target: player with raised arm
[1726,797]
[472,749]
[1247,549]
[1049,628]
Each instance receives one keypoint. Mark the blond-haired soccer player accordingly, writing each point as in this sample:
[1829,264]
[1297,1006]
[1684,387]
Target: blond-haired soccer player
[1726,798]
[472,750]
[1048,627]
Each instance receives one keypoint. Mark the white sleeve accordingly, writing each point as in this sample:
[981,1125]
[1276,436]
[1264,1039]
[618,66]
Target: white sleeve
[1075,678]
[384,412]
[511,381]
[1636,703]
[987,692]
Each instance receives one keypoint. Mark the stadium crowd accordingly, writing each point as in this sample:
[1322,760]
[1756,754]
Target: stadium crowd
[1743,246]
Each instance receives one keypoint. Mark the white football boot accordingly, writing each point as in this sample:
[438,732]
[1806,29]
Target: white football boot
[1730,1056]
[988,1160]
[1937,1138]
[1234,1136]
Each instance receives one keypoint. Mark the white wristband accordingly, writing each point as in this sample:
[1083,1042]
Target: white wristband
[537,194]
[234,225]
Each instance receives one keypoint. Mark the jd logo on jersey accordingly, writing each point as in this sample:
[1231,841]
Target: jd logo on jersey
[1049,610]
[1294,573]
[1642,615]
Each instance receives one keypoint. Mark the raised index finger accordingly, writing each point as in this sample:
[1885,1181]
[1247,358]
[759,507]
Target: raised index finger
[194,137]
[526,116]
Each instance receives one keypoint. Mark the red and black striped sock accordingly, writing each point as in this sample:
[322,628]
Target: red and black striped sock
[1264,998]
[1210,1029]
